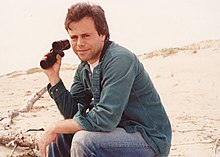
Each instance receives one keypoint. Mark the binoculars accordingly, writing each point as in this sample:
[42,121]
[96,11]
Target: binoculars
[57,48]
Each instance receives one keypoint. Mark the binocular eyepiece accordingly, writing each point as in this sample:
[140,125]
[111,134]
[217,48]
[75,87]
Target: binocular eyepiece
[57,48]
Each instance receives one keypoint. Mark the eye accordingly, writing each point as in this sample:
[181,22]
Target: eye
[86,35]
[74,38]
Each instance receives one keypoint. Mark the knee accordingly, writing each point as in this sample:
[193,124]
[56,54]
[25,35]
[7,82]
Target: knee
[83,138]
[82,144]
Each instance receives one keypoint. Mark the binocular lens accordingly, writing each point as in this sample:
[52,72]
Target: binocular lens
[61,45]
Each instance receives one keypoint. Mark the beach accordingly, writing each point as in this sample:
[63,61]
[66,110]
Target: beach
[187,79]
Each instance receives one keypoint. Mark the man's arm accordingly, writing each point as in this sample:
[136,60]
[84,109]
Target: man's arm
[67,101]
[67,126]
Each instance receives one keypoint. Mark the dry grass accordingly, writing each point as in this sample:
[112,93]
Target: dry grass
[191,48]
[33,70]
[15,74]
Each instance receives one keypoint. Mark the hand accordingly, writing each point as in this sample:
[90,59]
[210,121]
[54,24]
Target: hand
[53,72]
[45,140]
[67,126]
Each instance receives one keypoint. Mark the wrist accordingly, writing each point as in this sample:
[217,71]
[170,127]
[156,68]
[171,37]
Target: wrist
[51,129]
[54,129]
[53,81]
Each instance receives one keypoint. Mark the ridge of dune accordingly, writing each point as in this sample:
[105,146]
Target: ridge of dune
[195,47]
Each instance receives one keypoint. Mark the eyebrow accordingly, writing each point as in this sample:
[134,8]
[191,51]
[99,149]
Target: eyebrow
[80,34]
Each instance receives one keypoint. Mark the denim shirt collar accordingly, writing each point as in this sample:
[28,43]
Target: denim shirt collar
[93,80]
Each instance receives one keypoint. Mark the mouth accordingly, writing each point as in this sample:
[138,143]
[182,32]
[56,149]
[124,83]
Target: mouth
[81,52]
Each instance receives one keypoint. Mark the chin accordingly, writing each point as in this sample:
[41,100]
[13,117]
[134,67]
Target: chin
[83,59]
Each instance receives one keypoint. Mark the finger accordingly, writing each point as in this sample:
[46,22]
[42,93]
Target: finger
[42,148]
[59,58]
[43,151]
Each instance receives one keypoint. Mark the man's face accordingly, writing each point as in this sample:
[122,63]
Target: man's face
[85,40]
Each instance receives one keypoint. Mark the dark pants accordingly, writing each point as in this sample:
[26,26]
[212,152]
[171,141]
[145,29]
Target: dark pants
[62,146]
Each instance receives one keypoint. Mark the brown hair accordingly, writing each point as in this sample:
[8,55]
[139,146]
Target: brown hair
[80,10]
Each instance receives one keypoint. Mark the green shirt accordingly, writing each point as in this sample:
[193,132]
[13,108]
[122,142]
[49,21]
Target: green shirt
[119,93]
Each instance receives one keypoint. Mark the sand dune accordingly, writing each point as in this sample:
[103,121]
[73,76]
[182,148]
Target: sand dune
[187,79]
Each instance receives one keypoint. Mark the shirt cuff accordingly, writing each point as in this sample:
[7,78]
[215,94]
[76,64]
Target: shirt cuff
[56,90]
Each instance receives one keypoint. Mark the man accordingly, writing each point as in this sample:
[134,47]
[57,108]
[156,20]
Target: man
[112,109]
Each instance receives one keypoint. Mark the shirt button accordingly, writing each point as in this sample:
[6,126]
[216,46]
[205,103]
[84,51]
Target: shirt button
[95,71]
[56,90]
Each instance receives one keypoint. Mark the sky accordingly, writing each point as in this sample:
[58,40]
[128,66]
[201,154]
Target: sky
[28,27]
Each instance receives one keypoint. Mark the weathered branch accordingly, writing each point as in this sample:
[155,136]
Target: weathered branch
[7,120]
[25,139]
[30,102]
[22,139]
[216,151]
[29,138]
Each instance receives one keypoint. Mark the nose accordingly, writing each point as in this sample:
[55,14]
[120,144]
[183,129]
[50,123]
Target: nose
[80,42]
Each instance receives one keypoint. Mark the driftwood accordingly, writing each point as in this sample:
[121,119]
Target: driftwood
[7,120]
[29,138]
[21,138]
[30,102]
[216,149]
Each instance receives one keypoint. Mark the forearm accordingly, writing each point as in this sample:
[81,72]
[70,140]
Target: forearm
[67,126]
[66,103]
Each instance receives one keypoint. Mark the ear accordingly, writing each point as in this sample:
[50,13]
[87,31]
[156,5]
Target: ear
[102,37]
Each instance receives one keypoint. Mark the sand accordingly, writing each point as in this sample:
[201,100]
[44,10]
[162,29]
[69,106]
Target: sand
[188,82]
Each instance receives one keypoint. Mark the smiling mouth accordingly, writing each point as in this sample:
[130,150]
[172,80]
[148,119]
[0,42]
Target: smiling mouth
[82,51]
